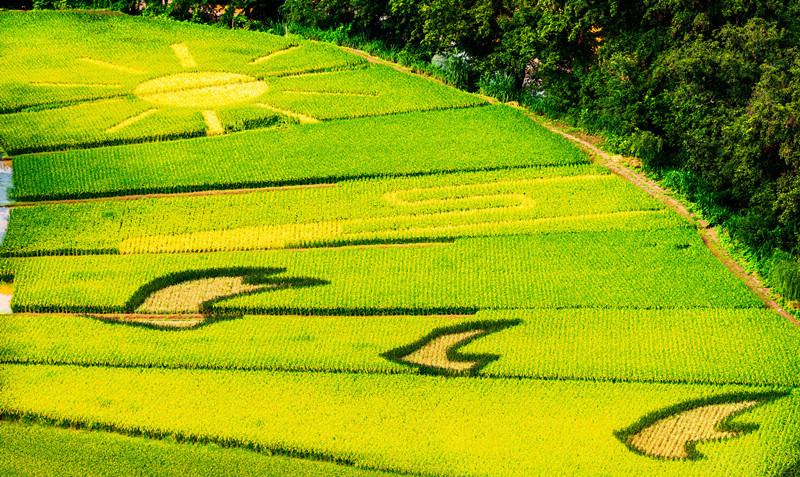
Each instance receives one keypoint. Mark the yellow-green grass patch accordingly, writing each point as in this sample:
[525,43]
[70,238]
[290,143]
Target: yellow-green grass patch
[487,426]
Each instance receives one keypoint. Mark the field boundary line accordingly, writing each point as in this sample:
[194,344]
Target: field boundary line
[161,195]
[274,53]
[180,438]
[373,312]
[402,370]
[306,183]
[366,244]
[615,163]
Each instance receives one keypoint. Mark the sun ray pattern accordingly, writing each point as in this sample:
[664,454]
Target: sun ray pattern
[112,66]
[184,55]
[76,85]
[131,121]
[214,124]
[304,119]
[269,56]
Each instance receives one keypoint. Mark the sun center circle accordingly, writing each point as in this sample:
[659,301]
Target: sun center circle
[201,89]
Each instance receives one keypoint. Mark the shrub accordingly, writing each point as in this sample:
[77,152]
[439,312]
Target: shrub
[785,276]
[500,85]
[456,70]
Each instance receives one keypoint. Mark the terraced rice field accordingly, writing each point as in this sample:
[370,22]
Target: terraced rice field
[236,253]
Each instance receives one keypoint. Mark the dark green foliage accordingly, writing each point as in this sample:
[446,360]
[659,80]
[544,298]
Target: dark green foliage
[784,276]
[456,71]
[500,85]
[710,88]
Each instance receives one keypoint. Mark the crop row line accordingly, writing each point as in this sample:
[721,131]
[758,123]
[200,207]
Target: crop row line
[386,372]
[614,163]
[303,119]
[182,438]
[243,188]
[342,311]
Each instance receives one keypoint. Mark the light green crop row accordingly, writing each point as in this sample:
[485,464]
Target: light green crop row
[598,269]
[93,124]
[22,97]
[442,426]
[439,206]
[754,347]
[96,93]
[34,450]
[415,143]
[372,91]
[38,70]
[126,118]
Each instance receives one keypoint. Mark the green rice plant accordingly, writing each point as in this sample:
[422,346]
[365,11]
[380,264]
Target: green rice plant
[599,269]
[409,144]
[701,346]
[254,117]
[487,427]
[44,449]
[304,57]
[409,208]
[372,91]
[100,93]
[94,123]
[19,96]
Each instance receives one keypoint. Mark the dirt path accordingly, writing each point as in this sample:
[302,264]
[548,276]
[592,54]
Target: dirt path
[617,165]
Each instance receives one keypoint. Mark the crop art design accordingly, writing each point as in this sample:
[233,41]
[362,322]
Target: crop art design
[230,249]
[185,300]
[194,88]
[200,90]
[674,432]
[438,352]
[180,94]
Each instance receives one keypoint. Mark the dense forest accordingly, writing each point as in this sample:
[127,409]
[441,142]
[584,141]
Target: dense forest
[707,94]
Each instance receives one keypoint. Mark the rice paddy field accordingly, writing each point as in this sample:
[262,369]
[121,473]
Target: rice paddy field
[234,253]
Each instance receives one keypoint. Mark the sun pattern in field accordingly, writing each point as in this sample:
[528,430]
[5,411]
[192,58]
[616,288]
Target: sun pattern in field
[189,88]
[193,90]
